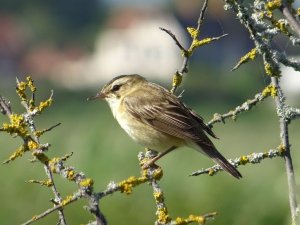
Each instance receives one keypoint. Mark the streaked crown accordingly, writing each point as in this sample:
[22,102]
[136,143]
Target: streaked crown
[121,85]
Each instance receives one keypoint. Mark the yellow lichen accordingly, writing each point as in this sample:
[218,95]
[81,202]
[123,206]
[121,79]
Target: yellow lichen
[177,79]
[163,216]
[249,56]
[198,219]
[20,89]
[198,43]
[270,71]
[281,148]
[244,160]
[158,195]
[43,105]
[17,126]
[270,90]
[272,5]
[47,183]
[39,133]
[30,84]
[193,32]
[52,164]
[158,173]
[282,26]
[88,182]
[126,185]
[32,145]
[34,217]
[18,153]
[180,221]
[71,174]
[66,200]
[211,172]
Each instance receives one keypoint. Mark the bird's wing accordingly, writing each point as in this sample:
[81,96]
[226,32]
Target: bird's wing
[166,113]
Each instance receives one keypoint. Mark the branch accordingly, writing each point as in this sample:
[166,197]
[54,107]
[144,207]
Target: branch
[53,209]
[5,106]
[29,119]
[253,158]
[284,136]
[246,106]
[262,35]
[177,78]
[169,32]
[286,11]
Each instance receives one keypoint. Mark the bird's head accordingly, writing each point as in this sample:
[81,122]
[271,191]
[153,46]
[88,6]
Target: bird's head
[119,87]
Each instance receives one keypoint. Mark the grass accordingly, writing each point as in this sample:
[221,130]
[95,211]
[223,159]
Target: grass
[105,153]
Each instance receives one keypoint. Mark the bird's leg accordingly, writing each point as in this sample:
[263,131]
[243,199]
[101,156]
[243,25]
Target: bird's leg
[157,157]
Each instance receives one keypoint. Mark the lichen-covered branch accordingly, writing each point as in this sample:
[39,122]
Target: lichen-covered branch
[284,136]
[65,202]
[23,126]
[153,174]
[253,158]
[196,43]
[246,106]
[256,20]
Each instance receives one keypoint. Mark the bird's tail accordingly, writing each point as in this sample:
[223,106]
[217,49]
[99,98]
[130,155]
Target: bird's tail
[227,166]
[210,150]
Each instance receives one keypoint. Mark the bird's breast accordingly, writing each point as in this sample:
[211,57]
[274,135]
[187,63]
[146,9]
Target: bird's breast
[145,134]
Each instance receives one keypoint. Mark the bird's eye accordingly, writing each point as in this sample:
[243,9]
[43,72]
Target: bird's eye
[116,87]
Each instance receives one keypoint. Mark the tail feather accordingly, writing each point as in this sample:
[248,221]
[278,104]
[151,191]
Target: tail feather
[210,150]
[227,166]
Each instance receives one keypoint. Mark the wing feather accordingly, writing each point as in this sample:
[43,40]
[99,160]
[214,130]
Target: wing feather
[167,114]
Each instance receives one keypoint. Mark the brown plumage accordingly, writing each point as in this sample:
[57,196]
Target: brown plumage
[157,119]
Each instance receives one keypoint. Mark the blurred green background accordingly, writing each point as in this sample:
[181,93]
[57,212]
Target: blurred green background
[104,152]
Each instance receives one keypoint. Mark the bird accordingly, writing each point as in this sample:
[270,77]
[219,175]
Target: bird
[158,120]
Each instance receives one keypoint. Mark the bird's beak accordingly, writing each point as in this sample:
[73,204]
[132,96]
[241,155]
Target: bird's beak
[98,95]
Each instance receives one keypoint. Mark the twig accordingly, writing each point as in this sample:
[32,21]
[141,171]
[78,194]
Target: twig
[177,78]
[239,109]
[29,118]
[202,13]
[285,9]
[253,158]
[284,136]
[169,32]
[4,106]
[259,31]
[53,209]
[62,219]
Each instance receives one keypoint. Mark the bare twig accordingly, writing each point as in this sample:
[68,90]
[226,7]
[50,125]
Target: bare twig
[286,11]
[5,106]
[169,32]
[202,13]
